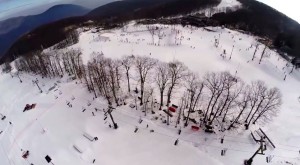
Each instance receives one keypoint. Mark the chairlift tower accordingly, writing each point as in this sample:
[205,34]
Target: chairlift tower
[260,150]
[264,139]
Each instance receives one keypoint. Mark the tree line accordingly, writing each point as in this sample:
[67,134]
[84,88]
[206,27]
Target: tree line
[218,99]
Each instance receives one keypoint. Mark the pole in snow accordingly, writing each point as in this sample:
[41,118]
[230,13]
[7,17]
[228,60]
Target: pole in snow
[231,53]
[110,108]
[19,77]
[36,82]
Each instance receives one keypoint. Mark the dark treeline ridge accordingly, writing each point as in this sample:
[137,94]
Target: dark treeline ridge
[109,16]
[43,37]
[254,17]
[264,21]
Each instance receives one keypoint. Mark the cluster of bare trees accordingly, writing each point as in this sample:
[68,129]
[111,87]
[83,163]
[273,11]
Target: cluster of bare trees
[169,76]
[226,101]
[160,33]
[218,99]
[265,53]
[52,64]
[152,31]
[6,67]
[143,66]
[103,78]
[72,38]
[156,30]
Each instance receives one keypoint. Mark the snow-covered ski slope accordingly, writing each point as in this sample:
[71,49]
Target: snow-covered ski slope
[64,127]
[229,4]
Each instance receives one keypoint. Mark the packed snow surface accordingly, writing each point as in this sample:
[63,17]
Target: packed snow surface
[53,128]
[229,3]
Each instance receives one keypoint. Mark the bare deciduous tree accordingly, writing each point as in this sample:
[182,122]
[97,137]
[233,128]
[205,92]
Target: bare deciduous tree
[101,77]
[257,97]
[194,87]
[152,29]
[262,54]
[215,86]
[256,48]
[258,89]
[271,103]
[243,104]
[91,78]
[177,71]
[143,66]
[160,35]
[148,94]
[233,88]
[112,67]
[162,78]
[127,62]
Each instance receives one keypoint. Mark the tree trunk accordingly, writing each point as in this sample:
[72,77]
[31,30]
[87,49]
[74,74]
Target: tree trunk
[237,118]
[161,99]
[262,54]
[208,106]
[252,107]
[190,109]
[92,84]
[142,92]
[214,104]
[169,95]
[258,106]
[127,75]
[255,52]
